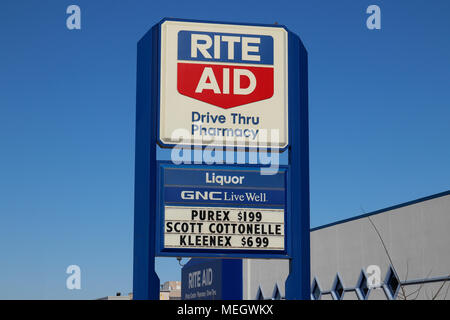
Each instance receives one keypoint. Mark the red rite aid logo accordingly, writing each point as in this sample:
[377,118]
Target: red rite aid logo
[223,69]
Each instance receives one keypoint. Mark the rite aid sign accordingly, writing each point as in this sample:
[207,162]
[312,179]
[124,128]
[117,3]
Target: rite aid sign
[237,88]
[223,81]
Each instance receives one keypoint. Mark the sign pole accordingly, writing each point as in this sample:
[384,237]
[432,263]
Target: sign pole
[298,281]
[145,280]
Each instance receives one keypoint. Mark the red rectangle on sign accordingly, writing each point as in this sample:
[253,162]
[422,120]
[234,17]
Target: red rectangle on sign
[225,86]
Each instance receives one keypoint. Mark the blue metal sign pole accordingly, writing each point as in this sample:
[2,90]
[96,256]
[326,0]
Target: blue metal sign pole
[298,281]
[145,280]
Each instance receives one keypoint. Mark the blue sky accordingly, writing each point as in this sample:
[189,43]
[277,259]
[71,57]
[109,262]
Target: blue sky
[379,124]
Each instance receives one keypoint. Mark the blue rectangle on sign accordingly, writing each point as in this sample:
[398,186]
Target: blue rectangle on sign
[212,279]
[223,187]
[222,196]
[225,47]
[236,178]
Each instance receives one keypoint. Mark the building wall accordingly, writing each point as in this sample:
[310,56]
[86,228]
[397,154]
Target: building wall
[416,236]
[263,275]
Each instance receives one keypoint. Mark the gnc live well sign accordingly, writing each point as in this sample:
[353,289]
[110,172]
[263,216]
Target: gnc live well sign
[223,82]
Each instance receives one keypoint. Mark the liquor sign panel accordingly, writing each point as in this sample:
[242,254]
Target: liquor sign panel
[210,69]
[222,209]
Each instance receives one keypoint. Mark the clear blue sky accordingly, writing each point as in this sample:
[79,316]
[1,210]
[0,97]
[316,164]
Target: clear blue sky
[379,124]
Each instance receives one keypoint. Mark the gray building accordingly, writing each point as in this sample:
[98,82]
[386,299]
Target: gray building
[401,252]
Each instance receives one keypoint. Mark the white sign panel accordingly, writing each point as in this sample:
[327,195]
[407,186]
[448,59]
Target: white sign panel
[222,83]
[223,228]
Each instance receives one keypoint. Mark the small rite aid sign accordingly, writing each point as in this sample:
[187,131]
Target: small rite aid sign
[224,83]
